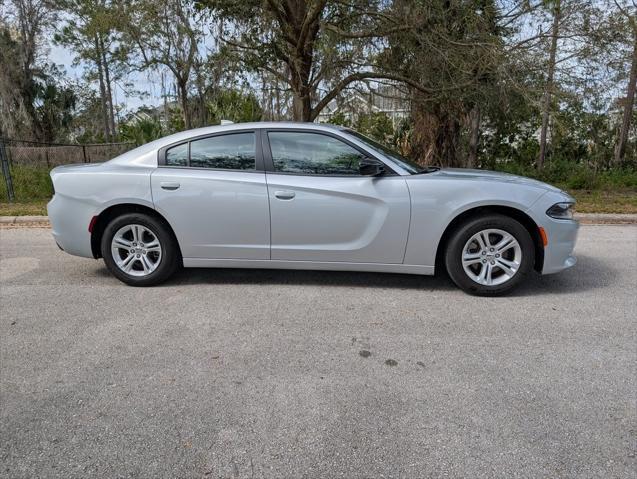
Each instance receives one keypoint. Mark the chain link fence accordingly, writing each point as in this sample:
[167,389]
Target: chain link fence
[26,164]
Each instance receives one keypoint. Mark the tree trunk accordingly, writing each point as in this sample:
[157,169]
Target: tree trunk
[164,92]
[201,100]
[620,149]
[100,70]
[278,102]
[435,136]
[109,94]
[301,98]
[183,98]
[474,138]
[548,90]
[300,71]
[301,107]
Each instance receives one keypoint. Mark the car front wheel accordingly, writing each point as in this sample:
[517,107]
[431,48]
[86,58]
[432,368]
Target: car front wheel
[139,250]
[490,255]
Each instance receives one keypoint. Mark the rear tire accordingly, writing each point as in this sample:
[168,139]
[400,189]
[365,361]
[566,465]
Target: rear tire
[489,255]
[140,250]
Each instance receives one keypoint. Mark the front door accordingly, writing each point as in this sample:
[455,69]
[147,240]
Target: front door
[210,191]
[323,210]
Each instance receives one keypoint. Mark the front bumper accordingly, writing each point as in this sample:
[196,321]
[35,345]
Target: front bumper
[558,253]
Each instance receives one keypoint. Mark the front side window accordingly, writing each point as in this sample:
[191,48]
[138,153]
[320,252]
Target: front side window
[228,152]
[312,154]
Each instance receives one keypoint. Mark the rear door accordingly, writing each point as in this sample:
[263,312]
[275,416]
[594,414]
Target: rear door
[213,192]
[322,209]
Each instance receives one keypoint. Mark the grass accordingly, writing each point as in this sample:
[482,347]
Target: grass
[623,201]
[35,208]
[30,183]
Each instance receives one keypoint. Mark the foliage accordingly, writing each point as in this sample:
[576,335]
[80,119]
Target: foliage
[235,106]
[34,103]
[377,126]
[339,118]
[141,130]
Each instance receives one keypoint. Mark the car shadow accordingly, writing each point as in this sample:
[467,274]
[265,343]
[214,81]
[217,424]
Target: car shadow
[589,274]
[310,278]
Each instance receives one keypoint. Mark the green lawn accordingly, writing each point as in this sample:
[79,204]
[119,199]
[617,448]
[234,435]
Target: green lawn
[624,201]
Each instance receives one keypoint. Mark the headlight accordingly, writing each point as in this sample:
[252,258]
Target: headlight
[561,211]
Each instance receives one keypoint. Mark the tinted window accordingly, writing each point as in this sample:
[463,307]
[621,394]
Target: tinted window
[177,155]
[230,152]
[312,154]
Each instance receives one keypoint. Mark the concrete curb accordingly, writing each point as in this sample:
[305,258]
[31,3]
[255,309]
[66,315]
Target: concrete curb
[584,218]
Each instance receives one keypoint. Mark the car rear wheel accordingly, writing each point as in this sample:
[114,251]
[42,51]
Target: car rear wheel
[139,250]
[490,255]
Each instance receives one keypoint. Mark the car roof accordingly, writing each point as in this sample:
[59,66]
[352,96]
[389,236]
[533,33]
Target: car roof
[243,126]
[146,154]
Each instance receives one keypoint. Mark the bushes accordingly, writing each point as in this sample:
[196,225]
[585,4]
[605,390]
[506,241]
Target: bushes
[573,176]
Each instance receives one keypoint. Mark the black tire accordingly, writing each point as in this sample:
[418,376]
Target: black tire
[170,258]
[460,237]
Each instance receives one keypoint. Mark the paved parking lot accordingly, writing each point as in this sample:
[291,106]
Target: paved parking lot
[239,373]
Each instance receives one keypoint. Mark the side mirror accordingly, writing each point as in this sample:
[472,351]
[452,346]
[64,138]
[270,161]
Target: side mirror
[371,167]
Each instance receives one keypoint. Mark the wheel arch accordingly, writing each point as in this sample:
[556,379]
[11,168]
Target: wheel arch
[119,209]
[509,211]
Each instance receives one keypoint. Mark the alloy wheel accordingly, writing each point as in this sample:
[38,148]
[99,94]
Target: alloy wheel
[136,250]
[491,257]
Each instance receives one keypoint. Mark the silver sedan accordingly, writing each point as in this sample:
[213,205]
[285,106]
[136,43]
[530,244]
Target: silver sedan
[306,196]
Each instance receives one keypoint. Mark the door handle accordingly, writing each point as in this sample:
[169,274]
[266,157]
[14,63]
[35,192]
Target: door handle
[285,195]
[169,185]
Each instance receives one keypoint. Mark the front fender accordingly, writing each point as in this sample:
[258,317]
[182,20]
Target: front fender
[437,202]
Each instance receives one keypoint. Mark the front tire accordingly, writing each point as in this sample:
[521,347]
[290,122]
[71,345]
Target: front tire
[140,250]
[489,255]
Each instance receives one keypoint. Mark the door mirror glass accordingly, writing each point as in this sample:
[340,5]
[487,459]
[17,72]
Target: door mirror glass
[371,167]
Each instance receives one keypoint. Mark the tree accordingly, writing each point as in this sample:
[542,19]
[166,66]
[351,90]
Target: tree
[165,34]
[548,89]
[317,48]
[22,51]
[35,101]
[629,102]
[90,33]
[574,43]
[451,58]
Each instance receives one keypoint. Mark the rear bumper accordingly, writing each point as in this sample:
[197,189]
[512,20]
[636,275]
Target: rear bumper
[558,253]
[69,220]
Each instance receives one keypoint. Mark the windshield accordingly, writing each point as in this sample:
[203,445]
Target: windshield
[406,164]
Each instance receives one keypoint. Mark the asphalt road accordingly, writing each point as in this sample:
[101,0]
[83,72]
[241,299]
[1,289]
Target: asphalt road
[239,373]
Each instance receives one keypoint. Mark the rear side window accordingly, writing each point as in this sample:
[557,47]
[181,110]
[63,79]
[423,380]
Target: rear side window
[312,154]
[228,152]
[177,155]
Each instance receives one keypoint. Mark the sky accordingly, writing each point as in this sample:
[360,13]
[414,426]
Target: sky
[63,57]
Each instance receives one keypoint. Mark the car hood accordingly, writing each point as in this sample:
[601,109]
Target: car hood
[486,175]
